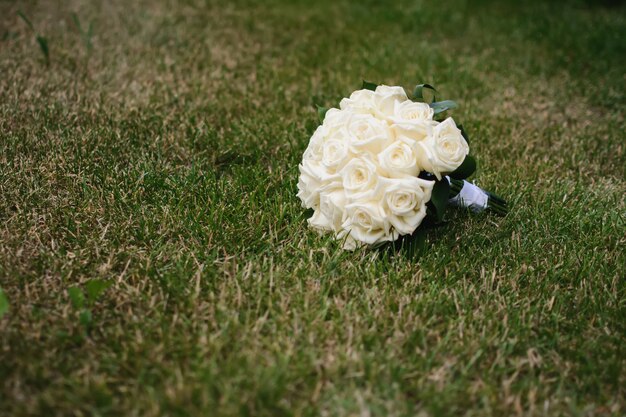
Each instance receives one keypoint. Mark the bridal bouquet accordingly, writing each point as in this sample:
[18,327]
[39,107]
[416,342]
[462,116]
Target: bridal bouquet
[381,163]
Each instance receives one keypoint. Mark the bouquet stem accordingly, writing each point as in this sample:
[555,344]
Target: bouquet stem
[466,194]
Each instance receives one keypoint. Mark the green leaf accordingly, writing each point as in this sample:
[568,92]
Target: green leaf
[42,41]
[369,86]
[418,91]
[25,19]
[88,36]
[77,22]
[467,168]
[321,113]
[85,34]
[95,288]
[76,297]
[85,318]
[414,246]
[4,303]
[439,197]
[464,133]
[441,106]
[43,45]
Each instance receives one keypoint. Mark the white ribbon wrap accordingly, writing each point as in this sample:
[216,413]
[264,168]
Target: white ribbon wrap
[470,196]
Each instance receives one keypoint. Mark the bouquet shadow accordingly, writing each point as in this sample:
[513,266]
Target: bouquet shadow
[414,246]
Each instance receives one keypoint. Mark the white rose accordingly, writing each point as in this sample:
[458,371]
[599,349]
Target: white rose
[410,111]
[368,134]
[313,176]
[314,149]
[360,101]
[319,221]
[333,206]
[366,222]
[335,153]
[334,120]
[348,241]
[445,150]
[405,202]
[360,178]
[399,159]
[412,120]
[386,97]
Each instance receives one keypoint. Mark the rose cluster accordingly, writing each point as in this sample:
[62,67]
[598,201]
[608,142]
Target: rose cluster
[360,170]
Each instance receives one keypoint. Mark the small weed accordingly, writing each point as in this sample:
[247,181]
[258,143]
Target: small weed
[4,303]
[87,34]
[41,40]
[83,299]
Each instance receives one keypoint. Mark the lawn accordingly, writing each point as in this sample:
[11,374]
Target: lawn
[156,261]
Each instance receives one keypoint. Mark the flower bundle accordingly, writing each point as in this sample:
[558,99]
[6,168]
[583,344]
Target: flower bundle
[381,163]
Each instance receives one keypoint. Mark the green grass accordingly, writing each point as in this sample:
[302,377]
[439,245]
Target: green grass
[158,151]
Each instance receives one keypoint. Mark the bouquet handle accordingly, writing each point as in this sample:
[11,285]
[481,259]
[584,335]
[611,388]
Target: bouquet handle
[464,194]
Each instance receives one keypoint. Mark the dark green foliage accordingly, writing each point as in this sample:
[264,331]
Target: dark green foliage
[467,168]
[441,106]
[369,86]
[418,91]
[439,198]
[321,113]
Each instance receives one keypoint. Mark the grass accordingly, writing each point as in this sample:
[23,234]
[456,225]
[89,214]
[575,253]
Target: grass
[156,153]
